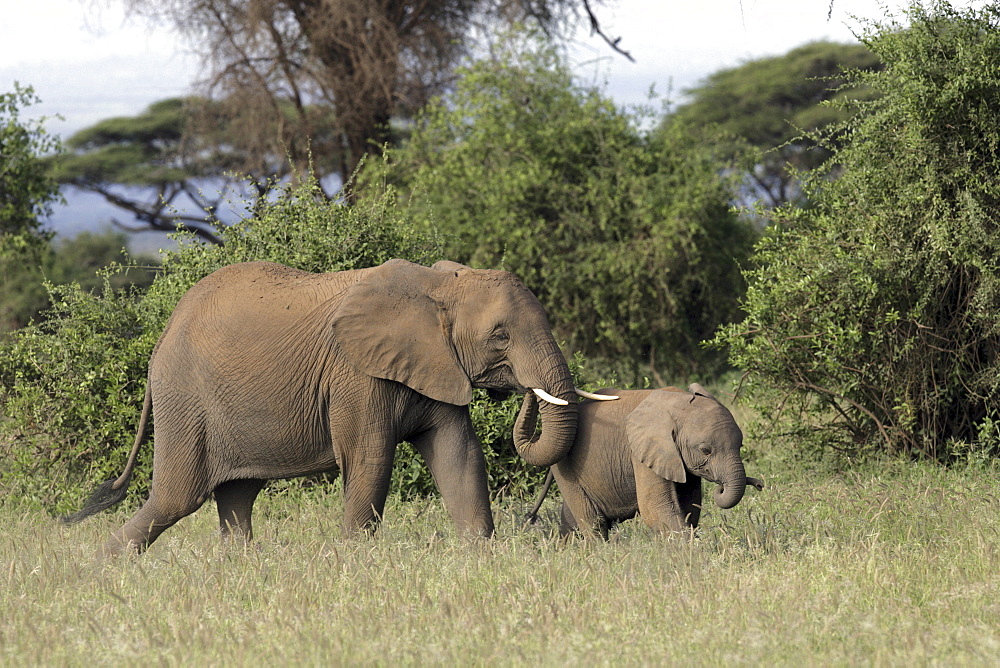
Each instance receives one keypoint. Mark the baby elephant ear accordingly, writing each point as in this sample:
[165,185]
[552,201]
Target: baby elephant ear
[448,265]
[650,430]
[389,327]
[695,388]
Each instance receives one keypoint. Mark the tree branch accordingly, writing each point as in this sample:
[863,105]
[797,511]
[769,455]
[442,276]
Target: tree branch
[153,216]
[595,29]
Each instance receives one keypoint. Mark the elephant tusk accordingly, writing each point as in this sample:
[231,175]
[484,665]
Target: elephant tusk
[542,394]
[591,395]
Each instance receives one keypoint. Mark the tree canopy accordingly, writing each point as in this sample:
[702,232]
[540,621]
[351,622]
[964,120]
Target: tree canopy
[27,193]
[182,153]
[281,68]
[775,103]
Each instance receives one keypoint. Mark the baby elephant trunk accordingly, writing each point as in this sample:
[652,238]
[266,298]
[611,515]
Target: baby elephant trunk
[731,487]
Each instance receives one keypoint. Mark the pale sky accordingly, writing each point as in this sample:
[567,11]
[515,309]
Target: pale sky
[88,62]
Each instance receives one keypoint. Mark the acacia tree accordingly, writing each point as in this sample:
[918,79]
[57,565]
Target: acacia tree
[775,103]
[144,150]
[872,316]
[283,68]
[174,167]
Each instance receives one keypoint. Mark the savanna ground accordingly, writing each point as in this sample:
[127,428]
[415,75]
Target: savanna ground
[887,565]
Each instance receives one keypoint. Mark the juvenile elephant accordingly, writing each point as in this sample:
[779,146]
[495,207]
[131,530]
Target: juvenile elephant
[265,372]
[646,453]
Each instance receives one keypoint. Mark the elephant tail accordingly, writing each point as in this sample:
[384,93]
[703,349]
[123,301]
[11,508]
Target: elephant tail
[532,515]
[112,492]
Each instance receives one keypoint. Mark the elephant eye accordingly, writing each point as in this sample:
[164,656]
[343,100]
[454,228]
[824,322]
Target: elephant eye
[500,337]
[705,449]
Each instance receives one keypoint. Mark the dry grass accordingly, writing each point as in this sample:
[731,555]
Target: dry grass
[896,566]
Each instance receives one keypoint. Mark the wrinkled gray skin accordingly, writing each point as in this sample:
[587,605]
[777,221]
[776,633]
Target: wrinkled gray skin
[265,372]
[646,454]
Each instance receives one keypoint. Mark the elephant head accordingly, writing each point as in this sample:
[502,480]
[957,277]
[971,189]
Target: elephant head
[673,432]
[447,329]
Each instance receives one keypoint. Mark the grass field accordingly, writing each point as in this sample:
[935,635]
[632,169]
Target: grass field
[892,566]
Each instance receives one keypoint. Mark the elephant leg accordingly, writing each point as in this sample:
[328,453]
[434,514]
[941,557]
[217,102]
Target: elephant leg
[455,459]
[689,498]
[579,512]
[567,523]
[234,500]
[597,526]
[179,487]
[659,506]
[366,485]
[159,513]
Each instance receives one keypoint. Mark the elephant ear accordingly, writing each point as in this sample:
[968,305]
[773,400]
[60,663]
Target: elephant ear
[448,265]
[650,430]
[696,389]
[389,326]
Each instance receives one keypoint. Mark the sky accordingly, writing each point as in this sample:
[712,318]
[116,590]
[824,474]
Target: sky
[87,61]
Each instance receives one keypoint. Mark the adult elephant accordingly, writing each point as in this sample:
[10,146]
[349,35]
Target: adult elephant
[264,371]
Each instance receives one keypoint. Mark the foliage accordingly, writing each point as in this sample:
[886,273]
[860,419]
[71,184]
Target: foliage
[26,196]
[75,260]
[774,104]
[22,294]
[872,319]
[72,385]
[130,150]
[26,191]
[625,236]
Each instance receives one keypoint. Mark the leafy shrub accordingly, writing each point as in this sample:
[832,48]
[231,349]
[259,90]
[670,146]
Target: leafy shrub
[26,196]
[625,235]
[872,319]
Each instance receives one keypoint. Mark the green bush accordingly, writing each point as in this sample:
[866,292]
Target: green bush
[27,193]
[872,319]
[77,260]
[626,235]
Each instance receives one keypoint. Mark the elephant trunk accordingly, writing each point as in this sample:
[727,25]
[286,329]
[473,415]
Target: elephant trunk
[731,487]
[558,431]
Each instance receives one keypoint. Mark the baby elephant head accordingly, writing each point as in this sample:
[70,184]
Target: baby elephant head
[676,433]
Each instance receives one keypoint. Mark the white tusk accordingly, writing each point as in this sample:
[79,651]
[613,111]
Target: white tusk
[591,395]
[542,394]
